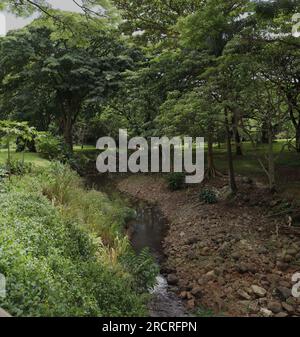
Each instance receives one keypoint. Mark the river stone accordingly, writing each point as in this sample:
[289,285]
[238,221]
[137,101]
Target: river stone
[4,313]
[275,307]
[183,295]
[281,315]
[197,292]
[211,275]
[258,291]
[191,304]
[284,292]
[292,251]
[288,308]
[282,266]
[172,279]
[266,313]
[243,295]
[287,258]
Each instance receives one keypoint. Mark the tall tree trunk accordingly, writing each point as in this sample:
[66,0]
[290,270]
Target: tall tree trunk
[68,132]
[271,160]
[298,138]
[264,134]
[211,170]
[294,109]
[232,182]
[237,137]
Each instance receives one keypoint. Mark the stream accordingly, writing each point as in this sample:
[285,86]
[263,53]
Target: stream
[148,230]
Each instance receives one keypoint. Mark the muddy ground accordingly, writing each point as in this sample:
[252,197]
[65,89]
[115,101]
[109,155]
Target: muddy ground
[233,258]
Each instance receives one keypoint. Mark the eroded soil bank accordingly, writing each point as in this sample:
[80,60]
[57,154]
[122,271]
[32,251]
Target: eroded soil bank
[230,257]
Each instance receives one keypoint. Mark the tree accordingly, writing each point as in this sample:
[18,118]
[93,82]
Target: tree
[10,131]
[154,21]
[69,73]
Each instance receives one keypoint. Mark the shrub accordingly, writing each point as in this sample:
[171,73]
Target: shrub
[142,267]
[81,163]
[51,147]
[176,181]
[18,167]
[59,182]
[208,196]
[53,265]
[3,172]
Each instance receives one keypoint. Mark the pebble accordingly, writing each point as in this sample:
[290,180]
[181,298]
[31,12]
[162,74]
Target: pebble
[243,295]
[284,292]
[288,308]
[196,291]
[281,315]
[275,307]
[258,291]
[266,313]
[172,279]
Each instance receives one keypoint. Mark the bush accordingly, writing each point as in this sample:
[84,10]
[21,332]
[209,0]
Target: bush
[18,167]
[53,265]
[142,267]
[3,173]
[176,181]
[81,163]
[51,147]
[208,196]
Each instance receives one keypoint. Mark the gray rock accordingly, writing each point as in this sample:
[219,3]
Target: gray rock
[287,258]
[275,307]
[197,292]
[266,313]
[172,279]
[258,291]
[281,315]
[292,251]
[243,295]
[284,292]
[288,308]
[211,275]
[282,266]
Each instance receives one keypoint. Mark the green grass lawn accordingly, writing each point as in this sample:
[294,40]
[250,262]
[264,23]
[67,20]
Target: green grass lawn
[287,166]
[29,157]
[248,163]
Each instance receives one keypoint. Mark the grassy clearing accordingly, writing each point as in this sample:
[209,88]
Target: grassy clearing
[29,158]
[287,165]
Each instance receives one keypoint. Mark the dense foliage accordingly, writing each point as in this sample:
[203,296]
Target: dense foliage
[53,265]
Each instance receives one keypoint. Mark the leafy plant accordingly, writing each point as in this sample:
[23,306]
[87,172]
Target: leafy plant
[176,181]
[51,147]
[53,265]
[143,268]
[18,167]
[208,196]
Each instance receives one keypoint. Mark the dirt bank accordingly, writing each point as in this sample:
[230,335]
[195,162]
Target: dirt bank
[228,257]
